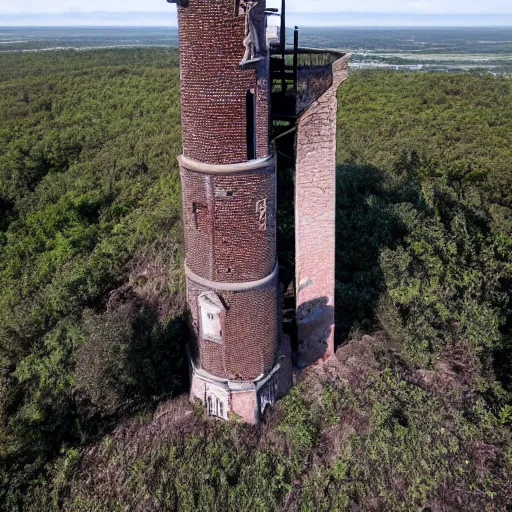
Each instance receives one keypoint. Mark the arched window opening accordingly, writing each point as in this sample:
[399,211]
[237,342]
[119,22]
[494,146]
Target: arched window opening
[251,124]
[211,310]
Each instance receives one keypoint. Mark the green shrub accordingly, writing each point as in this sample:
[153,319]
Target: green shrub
[130,357]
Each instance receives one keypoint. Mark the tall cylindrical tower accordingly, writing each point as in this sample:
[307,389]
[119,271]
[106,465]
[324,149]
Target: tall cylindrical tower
[229,208]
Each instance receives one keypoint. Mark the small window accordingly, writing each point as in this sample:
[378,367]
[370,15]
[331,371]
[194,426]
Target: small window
[198,213]
[215,407]
[211,309]
[194,212]
[224,193]
[211,325]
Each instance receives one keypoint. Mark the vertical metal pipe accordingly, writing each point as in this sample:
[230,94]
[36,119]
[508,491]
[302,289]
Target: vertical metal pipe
[295,58]
[283,27]
[283,46]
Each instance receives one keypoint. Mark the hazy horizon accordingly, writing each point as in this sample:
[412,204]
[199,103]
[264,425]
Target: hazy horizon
[312,19]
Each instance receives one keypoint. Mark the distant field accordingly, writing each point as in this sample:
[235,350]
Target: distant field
[41,38]
[435,62]
[413,49]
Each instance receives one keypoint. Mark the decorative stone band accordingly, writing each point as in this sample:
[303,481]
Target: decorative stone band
[232,287]
[232,385]
[266,164]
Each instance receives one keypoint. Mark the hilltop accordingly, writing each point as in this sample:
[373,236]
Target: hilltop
[415,411]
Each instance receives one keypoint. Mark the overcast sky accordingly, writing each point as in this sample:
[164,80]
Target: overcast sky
[326,12]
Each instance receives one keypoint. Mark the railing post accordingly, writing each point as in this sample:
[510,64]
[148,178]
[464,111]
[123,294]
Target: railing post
[295,59]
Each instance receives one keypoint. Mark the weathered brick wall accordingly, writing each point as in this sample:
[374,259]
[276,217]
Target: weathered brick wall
[315,195]
[250,333]
[225,239]
[244,403]
[214,88]
[198,389]
[263,110]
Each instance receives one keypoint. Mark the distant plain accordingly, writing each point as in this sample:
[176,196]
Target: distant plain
[413,49]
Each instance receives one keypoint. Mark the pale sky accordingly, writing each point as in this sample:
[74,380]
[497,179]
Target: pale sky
[153,12]
[396,6]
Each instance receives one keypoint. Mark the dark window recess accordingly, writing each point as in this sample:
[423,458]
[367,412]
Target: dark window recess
[224,193]
[196,212]
[251,125]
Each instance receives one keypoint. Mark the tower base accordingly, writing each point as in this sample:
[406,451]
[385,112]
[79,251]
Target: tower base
[228,399]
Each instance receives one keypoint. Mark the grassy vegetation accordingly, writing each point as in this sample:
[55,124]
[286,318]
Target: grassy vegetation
[90,208]
[37,64]
[415,411]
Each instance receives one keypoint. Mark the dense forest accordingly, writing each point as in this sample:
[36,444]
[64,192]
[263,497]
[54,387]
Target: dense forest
[415,410]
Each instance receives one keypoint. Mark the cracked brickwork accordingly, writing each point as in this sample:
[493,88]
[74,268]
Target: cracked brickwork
[315,206]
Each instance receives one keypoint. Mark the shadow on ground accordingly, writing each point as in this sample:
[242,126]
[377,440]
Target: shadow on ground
[365,223]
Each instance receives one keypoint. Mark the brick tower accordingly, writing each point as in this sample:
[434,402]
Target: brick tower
[229,209]
[239,95]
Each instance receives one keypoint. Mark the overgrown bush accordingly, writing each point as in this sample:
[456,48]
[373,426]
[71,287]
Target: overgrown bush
[130,357]
[88,184]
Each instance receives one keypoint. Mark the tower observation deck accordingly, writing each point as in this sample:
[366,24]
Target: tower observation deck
[238,94]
